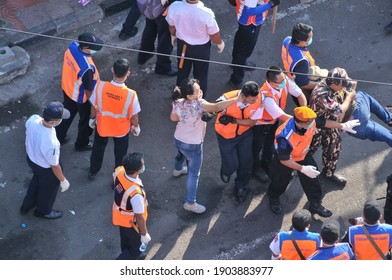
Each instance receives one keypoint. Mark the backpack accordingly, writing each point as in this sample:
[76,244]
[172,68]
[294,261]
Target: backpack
[151,9]
[388,202]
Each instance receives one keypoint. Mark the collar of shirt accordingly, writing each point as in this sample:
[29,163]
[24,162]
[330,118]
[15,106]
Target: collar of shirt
[137,180]
[118,84]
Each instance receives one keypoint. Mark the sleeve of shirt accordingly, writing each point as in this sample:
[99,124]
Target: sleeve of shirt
[252,9]
[284,149]
[169,16]
[93,97]
[87,80]
[136,105]
[320,122]
[294,90]
[212,25]
[272,108]
[258,114]
[301,67]
[274,246]
[137,202]
[52,155]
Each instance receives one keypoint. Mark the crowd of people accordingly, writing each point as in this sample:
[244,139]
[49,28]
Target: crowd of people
[255,132]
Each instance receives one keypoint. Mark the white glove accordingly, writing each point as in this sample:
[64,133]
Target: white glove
[348,126]
[145,238]
[174,41]
[310,171]
[221,47]
[64,185]
[92,123]
[135,130]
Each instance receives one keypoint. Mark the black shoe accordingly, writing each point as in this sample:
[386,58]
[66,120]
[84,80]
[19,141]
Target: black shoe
[261,175]
[388,28]
[171,73]
[335,179]
[124,34]
[88,147]
[55,214]
[235,85]
[317,208]
[241,194]
[92,176]
[224,177]
[146,57]
[24,211]
[65,140]
[275,205]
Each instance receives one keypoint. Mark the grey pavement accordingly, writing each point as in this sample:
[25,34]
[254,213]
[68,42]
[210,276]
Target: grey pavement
[347,33]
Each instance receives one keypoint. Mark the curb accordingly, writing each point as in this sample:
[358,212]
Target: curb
[88,15]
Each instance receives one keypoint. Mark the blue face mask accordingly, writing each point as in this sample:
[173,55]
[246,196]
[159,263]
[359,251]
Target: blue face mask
[309,126]
[92,52]
[143,168]
[282,84]
[310,42]
[58,123]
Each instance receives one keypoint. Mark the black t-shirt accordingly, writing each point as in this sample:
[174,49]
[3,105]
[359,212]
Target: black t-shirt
[284,147]
[301,67]
[87,80]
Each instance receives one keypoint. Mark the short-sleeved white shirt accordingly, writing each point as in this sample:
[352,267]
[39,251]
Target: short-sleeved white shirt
[42,145]
[194,23]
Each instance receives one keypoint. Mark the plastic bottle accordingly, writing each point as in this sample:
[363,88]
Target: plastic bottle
[143,247]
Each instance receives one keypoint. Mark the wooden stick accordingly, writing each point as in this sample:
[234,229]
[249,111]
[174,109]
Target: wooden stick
[182,56]
[274,12]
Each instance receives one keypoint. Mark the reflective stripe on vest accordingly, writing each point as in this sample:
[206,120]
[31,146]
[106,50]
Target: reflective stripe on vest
[299,143]
[281,102]
[113,118]
[291,55]
[232,130]
[76,63]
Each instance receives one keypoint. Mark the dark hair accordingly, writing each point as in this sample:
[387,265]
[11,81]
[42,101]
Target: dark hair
[121,67]
[272,73]
[132,163]
[301,219]
[185,89]
[300,32]
[250,88]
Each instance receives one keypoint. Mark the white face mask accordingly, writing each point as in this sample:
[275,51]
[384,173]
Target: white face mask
[143,169]
[58,123]
[92,52]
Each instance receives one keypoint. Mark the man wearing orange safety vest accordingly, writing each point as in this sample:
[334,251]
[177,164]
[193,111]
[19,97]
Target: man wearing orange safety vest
[282,247]
[130,207]
[114,114]
[292,141]
[380,233]
[235,136]
[297,58]
[251,14]
[79,77]
[275,90]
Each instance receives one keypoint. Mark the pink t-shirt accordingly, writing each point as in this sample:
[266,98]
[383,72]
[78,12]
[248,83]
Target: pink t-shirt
[190,128]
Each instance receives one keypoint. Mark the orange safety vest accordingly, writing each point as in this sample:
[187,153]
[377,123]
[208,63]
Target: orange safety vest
[76,63]
[291,55]
[232,130]
[299,143]
[114,109]
[281,102]
[307,247]
[122,214]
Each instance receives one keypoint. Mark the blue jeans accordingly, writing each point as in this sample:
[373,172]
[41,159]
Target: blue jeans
[193,154]
[368,128]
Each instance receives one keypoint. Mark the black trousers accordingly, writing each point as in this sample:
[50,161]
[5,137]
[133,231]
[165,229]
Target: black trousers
[263,145]
[245,40]
[157,27]
[200,69]
[99,146]
[236,155]
[281,176]
[84,130]
[133,15]
[130,243]
[42,190]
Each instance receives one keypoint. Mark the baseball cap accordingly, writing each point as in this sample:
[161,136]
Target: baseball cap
[304,114]
[339,77]
[85,40]
[55,110]
[316,73]
[371,211]
[330,231]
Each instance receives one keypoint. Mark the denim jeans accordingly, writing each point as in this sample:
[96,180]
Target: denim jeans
[193,154]
[368,128]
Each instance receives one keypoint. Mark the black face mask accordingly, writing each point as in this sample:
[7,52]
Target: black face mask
[301,131]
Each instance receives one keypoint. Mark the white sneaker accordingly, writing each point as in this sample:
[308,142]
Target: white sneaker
[195,208]
[177,173]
